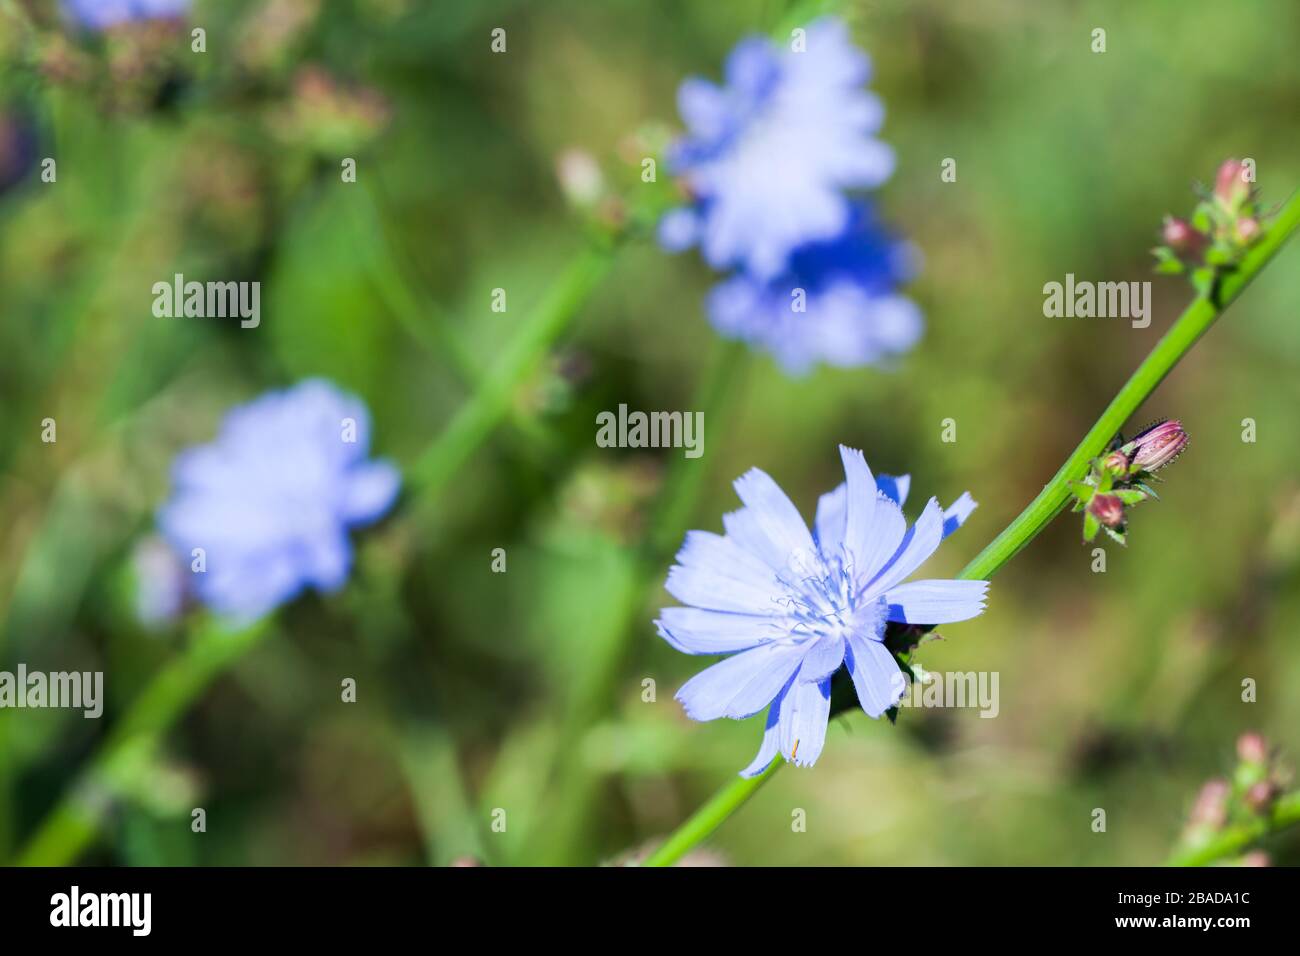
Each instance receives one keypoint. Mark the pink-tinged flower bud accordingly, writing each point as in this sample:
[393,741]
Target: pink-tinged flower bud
[1211,807]
[1230,186]
[1116,463]
[1157,446]
[1247,229]
[1107,509]
[1256,858]
[1181,237]
[1252,749]
[1260,796]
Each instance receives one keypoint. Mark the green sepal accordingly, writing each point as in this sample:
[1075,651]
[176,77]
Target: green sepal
[905,664]
[1214,256]
[1118,536]
[1082,491]
[1130,496]
[1090,526]
[1203,280]
[1167,262]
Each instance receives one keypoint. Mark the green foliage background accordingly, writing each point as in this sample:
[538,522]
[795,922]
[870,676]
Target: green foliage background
[523,690]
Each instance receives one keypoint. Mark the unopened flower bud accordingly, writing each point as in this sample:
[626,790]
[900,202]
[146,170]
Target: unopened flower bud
[1116,463]
[1256,858]
[1211,807]
[1259,796]
[1181,237]
[1157,446]
[1107,509]
[1230,186]
[1247,229]
[1252,748]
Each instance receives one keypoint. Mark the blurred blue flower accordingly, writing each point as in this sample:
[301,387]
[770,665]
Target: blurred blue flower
[270,501]
[835,303]
[102,14]
[792,606]
[768,155]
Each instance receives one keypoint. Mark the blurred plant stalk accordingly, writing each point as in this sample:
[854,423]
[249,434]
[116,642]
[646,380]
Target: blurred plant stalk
[1195,321]
[1231,841]
[1230,815]
[75,821]
[490,404]
[427,323]
[576,785]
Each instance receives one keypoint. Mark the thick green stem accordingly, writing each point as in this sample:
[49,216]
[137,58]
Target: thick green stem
[1234,839]
[74,822]
[709,817]
[1184,333]
[478,417]
[1175,343]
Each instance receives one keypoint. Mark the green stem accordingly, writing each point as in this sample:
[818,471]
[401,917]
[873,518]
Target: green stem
[1191,325]
[592,694]
[709,817]
[424,320]
[1232,840]
[75,821]
[449,827]
[1175,343]
[478,417]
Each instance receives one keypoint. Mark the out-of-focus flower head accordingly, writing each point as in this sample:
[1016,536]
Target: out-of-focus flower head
[327,115]
[272,31]
[768,155]
[836,303]
[270,502]
[1227,221]
[791,606]
[611,497]
[1246,798]
[137,62]
[105,14]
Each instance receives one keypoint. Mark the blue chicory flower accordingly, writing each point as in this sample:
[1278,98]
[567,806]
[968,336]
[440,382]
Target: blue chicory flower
[768,155]
[791,606]
[270,501]
[835,303]
[102,14]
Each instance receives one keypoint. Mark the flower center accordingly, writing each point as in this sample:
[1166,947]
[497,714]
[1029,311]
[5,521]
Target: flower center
[820,595]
